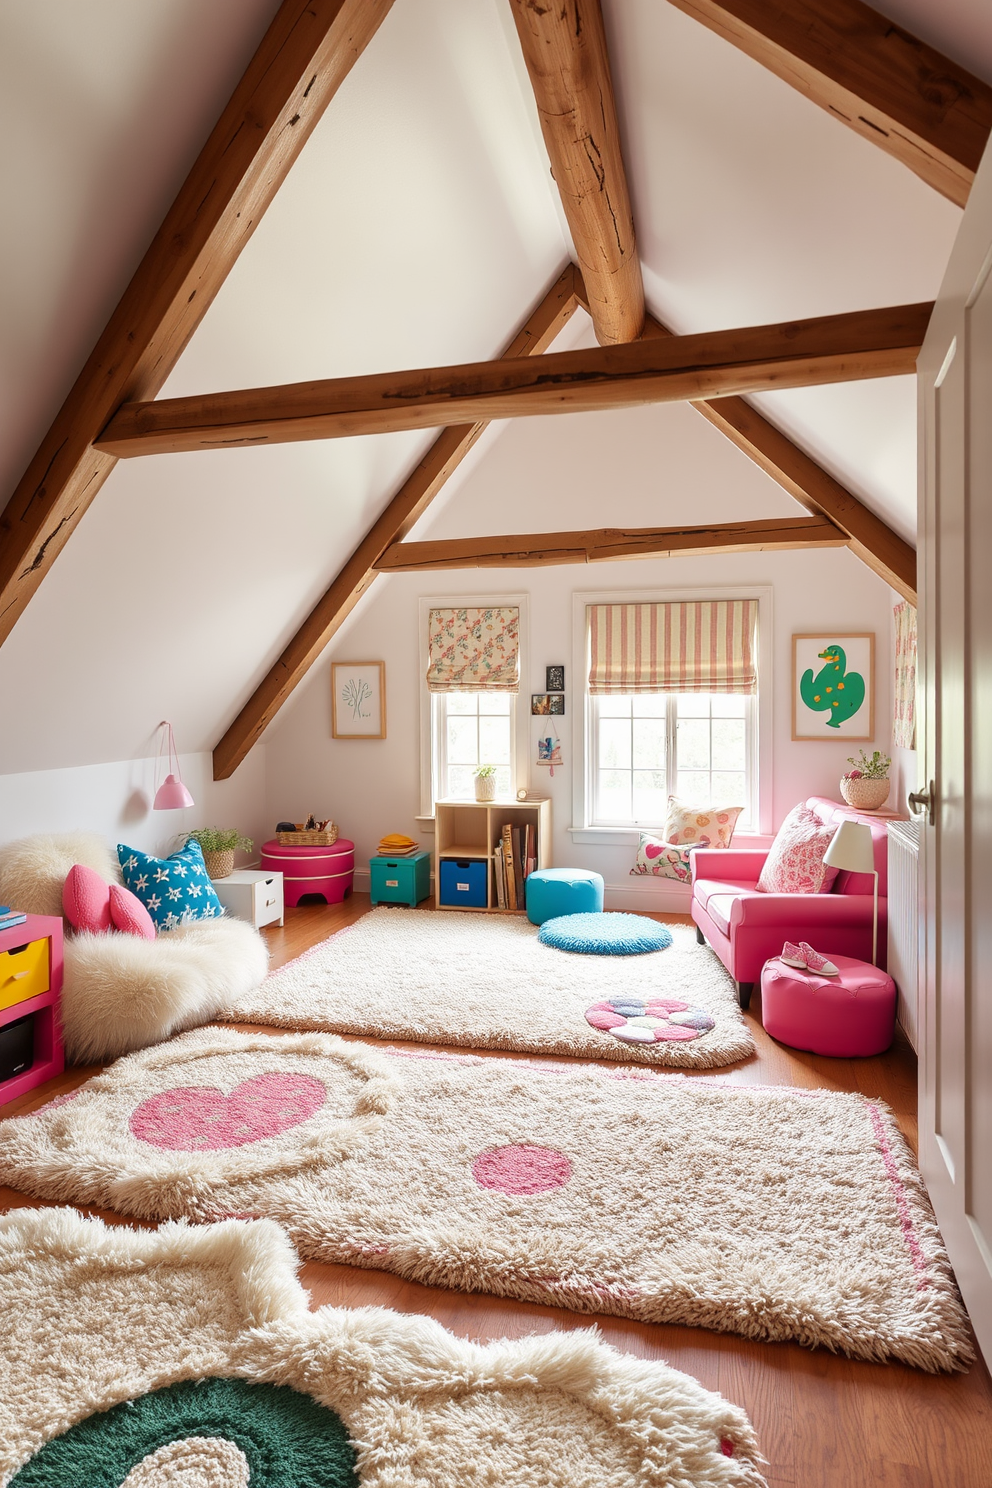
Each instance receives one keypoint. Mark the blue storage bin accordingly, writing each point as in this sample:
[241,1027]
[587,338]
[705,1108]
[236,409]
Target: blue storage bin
[464,882]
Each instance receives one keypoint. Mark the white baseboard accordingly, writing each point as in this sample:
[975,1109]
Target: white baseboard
[653,897]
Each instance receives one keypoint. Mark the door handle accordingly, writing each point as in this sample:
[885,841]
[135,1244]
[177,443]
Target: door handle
[924,800]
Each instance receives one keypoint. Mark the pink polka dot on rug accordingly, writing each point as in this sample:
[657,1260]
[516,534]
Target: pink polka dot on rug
[521,1169]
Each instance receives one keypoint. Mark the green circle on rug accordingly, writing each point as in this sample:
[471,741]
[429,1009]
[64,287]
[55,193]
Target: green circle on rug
[288,1439]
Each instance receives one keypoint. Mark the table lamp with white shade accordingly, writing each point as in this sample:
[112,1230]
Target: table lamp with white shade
[852,848]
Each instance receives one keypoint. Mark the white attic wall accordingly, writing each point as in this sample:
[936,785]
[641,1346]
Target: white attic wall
[416,228]
[640,467]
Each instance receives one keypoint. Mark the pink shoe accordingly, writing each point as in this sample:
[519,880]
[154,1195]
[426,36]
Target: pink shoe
[816,962]
[792,955]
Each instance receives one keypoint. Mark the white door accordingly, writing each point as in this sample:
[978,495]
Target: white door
[955,553]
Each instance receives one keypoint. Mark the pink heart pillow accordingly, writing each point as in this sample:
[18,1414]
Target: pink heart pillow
[86,900]
[129,914]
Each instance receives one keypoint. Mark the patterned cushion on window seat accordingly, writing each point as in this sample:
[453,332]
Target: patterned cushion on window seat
[663,859]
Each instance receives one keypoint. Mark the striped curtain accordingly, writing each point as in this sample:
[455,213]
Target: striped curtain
[474,650]
[904,716]
[700,646]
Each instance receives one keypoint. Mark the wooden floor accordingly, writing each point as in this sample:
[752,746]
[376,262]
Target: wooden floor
[823,1421]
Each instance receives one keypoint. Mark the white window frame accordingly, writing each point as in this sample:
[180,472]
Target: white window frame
[583,829]
[671,751]
[519,729]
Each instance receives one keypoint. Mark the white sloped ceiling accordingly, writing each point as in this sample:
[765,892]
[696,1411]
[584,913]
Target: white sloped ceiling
[418,227]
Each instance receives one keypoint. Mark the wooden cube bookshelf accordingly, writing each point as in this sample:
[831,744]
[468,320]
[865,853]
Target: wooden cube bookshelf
[471,830]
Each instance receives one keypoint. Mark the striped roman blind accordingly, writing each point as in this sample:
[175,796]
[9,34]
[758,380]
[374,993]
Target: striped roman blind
[697,646]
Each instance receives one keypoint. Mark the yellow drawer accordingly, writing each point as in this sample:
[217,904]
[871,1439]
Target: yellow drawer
[24,973]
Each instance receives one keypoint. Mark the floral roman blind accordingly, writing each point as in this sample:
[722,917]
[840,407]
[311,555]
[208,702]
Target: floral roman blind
[474,650]
[904,715]
[696,646]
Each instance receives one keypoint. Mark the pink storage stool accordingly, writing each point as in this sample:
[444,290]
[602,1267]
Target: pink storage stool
[329,871]
[853,1013]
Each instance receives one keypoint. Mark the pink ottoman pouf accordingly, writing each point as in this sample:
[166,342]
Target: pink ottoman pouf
[851,1013]
[306,869]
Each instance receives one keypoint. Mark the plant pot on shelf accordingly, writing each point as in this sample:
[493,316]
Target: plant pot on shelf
[485,787]
[219,864]
[863,793]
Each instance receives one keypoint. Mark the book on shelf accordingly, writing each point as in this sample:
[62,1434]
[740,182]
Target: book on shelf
[530,851]
[518,869]
[8,921]
[511,878]
[499,876]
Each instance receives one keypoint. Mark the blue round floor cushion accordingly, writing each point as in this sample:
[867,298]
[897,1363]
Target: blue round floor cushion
[605,934]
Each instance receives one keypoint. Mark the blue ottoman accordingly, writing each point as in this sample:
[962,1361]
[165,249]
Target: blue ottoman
[552,892]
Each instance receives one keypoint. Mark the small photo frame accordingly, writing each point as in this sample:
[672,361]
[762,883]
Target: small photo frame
[554,679]
[547,702]
[358,699]
[833,686]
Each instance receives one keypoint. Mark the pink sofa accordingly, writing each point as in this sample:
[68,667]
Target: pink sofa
[746,927]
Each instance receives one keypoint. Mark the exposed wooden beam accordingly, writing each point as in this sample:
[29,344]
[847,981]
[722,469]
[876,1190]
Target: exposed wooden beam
[606,544]
[871,539]
[564,47]
[831,348]
[303,58]
[878,79]
[411,500]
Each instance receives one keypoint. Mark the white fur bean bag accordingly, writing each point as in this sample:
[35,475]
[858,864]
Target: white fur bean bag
[122,993]
[33,869]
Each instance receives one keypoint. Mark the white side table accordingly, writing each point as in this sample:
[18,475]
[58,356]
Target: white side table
[250,895]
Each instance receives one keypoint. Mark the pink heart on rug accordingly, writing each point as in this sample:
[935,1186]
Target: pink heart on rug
[200,1118]
[653,850]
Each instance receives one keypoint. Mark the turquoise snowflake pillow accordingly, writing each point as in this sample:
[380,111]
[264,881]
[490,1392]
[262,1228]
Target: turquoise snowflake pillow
[172,889]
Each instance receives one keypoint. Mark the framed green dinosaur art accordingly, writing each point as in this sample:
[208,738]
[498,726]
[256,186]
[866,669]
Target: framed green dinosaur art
[833,686]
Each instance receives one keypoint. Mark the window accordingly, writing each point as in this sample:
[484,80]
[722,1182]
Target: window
[470,729]
[648,746]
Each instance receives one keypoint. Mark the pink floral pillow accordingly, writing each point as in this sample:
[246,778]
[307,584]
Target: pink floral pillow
[662,859]
[794,864]
[700,826]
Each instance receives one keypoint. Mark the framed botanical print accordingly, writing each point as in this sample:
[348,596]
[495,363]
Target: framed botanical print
[358,699]
[833,686]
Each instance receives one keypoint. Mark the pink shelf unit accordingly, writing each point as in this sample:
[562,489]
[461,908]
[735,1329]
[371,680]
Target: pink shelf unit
[31,974]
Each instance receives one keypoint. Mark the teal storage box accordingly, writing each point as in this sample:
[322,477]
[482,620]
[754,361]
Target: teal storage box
[401,880]
[464,882]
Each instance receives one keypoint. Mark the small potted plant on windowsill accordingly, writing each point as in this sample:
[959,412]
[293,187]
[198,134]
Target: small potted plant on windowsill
[218,845]
[485,783]
[866,787]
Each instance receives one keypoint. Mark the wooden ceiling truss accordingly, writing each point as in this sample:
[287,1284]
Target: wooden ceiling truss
[607,544]
[906,98]
[879,80]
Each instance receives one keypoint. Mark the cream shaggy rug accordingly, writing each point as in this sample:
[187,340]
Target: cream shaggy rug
[486,982]
[771,1212]
[188,1359]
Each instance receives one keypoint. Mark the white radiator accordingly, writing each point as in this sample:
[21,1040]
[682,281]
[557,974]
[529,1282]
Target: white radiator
[905,919]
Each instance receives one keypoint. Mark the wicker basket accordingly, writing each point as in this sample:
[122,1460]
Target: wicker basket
[865,794]
[309,839]
[219,864]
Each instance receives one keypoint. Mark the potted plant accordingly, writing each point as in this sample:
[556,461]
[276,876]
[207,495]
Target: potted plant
[866,787]
[485,783]
[218,845]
